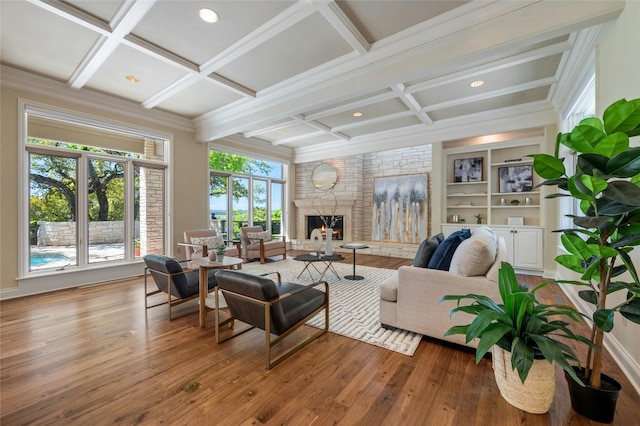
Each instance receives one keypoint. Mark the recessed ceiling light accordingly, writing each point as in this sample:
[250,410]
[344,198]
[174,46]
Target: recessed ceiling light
[284,132]
[132,79]
[476,83]
[208,15]
[357,114]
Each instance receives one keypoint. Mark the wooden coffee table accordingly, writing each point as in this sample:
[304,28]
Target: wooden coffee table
[204,264]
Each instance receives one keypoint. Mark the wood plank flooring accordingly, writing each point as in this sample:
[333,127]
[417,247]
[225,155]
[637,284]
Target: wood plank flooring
[94,356]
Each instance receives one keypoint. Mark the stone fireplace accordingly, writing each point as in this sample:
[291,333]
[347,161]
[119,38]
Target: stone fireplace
[310,208]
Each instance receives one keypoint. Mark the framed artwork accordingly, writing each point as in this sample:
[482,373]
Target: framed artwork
[516,178]
[400,208]
[467,170]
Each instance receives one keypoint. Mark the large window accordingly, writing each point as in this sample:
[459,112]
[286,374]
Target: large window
[96,193]
[245,191]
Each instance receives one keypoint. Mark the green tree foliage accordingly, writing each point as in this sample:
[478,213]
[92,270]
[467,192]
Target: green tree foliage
[53,178]
[233,163]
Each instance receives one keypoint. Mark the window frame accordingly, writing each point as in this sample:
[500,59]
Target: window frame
[27,108]
[268,183]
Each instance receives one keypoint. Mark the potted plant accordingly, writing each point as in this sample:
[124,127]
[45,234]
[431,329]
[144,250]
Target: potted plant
[479,218]
[606,182]
[220,252]
[136,247]
[523,335]
[515,202]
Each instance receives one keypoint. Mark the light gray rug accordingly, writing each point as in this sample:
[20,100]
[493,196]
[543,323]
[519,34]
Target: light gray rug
[353,305]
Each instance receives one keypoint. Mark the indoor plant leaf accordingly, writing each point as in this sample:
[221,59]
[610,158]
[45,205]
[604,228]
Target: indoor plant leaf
[626,164]
[548,166]
[603,318]
[612,144]
[622,116]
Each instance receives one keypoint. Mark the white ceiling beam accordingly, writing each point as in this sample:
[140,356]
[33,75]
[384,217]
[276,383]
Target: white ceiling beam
[411,103]
[373,121]
[126,18]
[497,65]
[281,22]
[273,128]
[492,94]
[323,128]
[289,17]
[77,16]
[341,23]
[297,138]
[351,106]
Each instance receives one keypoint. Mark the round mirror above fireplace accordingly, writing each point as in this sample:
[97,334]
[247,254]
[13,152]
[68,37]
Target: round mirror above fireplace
[324,176]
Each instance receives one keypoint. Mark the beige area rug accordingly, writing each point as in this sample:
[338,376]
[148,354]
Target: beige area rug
[353,305]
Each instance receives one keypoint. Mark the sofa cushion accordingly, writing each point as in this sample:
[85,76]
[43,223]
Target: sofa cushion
[211,243]
[492,273]
[425,251]
[474,256]
[441,259]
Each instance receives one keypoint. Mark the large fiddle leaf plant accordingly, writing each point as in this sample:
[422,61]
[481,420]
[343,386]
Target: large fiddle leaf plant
[606,182]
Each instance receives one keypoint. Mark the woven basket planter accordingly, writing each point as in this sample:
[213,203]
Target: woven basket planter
[536,394]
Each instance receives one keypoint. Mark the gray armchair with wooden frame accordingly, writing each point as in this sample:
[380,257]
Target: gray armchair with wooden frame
[178,284]
[277,308]
[196,240]
[257,244]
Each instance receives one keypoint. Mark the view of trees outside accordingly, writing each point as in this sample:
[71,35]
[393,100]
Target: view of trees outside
[53,202]
[241,205]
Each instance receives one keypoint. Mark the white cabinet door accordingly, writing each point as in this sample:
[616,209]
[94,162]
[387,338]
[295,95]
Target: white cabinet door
[527,248]
[524,246]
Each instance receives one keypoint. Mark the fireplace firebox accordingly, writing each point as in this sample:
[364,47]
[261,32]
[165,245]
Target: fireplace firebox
[314,222]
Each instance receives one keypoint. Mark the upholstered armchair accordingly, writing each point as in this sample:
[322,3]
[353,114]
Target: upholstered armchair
[178,284]
[257,244]
[277,308]
[195,240]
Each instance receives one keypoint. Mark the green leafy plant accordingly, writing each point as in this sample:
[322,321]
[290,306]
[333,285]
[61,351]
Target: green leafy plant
[606,182]
[520,325]
[479,217]
[220,249]
[515,202]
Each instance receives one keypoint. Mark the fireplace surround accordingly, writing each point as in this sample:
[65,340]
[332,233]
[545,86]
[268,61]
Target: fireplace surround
[342,206]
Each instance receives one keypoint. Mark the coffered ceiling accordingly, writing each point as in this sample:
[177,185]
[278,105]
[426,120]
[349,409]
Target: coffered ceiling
[292,74]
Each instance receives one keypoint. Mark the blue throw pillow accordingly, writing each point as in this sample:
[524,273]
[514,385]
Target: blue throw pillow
[425,251]
[441,259]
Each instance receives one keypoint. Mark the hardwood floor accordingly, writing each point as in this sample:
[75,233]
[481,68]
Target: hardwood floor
[93,356]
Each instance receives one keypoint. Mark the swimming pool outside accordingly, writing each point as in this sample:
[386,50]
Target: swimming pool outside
[50,257]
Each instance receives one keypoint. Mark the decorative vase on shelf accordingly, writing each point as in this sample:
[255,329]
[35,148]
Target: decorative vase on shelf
[328,251]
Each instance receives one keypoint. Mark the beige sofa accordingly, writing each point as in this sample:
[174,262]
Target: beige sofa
[410,299]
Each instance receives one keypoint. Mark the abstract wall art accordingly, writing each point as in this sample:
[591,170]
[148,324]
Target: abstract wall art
[400,208]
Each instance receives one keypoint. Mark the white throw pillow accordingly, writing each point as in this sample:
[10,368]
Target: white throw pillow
[210,242]
[255,237]
[475,255]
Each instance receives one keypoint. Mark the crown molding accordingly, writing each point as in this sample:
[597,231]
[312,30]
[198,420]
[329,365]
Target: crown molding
[237,144]
[31,83]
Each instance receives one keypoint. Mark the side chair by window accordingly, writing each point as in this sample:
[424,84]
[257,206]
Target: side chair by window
[257,244]
[170,278]
[277,308]
[195,240]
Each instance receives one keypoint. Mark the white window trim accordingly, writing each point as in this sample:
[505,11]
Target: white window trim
[32,282]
